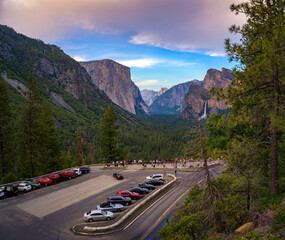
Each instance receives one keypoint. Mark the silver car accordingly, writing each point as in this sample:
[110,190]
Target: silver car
[113,207]
[98,215]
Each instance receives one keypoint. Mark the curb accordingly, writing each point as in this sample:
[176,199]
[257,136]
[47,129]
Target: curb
[87,229]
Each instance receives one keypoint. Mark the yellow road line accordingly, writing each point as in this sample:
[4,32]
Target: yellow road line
[172,206]
[169,209]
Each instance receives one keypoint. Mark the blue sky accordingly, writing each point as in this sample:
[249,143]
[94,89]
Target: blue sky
[164,42]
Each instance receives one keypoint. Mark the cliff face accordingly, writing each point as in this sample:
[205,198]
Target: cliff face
[115,80]
[61,80]
[194,101]
[171,101]
[149,95]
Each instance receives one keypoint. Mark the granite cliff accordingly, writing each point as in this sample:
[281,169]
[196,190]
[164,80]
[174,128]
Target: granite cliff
[115,80]
[198,101]
[170,102]
[75,101]
[149,95]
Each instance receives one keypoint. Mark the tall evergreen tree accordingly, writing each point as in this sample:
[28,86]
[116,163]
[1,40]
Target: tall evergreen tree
[5,130]
[109,132]
[29,130]
[49,141]
[257,94]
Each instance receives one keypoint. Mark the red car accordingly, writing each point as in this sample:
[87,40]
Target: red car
[44,181]
[132,195]
[54,177]
[67,174]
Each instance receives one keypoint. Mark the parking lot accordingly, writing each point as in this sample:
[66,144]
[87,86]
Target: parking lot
[50,212]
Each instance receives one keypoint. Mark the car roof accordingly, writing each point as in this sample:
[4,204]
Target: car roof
[96,211]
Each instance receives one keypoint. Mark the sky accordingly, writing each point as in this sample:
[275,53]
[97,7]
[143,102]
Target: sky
[164,42]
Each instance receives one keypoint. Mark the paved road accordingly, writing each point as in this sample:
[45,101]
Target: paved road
[49,213]
[152,220]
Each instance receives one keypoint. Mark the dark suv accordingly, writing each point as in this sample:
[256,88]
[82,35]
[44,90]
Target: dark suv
[84,169]
[10,190]
[120,199]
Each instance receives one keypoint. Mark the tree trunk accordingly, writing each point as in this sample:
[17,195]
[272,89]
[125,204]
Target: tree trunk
[274,138]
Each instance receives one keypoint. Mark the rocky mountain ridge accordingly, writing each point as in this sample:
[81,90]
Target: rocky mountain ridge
[115,80]
[198,101]
[149,95]
[170,102]
[62,81]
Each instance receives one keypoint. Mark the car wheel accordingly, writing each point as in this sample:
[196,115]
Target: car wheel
[69,178]
[24,190]
[108,218]
[45,184]
[127,203]
[90,220]
[34,188]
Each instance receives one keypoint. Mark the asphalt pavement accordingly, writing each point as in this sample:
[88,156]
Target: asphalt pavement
[27,216]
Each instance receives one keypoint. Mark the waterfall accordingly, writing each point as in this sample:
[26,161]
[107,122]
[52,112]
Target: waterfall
[205,111]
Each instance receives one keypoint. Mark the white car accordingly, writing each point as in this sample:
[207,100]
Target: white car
[2,194]
[24,187]
[156,176]
[77,171]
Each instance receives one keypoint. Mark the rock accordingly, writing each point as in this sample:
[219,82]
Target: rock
[247,227]
[115,80]
[262,229]
[194,100]
[171,101]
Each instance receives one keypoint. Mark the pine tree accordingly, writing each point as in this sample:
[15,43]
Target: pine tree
[108,140]
[49,141]
[29,130]
[257,93]
[5,130]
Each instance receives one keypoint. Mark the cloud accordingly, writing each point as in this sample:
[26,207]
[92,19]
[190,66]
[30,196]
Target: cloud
[184,25]
[140,63]
[79,59]
[148,83]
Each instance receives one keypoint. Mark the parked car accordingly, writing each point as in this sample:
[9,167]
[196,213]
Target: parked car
[155,176]
[25,187]
[148,186]
[113,207]
[84,169]
[55,177]
[154,182]
[35,185]
[67,174]
[98,215]
[2,194]
[77,171]
[138,190]
[10,190]
[118,176]
[132,195]
[119,199]
[44,181]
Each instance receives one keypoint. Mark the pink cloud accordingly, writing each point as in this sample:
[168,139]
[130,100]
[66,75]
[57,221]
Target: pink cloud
[185,25]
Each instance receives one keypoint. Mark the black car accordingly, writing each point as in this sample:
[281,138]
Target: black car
[10,190]
[154,182]
[148,186]
[118,176]
[120,199]
[84,169]
[139,190]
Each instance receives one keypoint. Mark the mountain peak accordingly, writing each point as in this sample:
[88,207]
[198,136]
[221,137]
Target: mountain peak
[115,80]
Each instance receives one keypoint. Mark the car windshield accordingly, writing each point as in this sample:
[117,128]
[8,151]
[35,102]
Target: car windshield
[104,212]
[119,174]
[112,205]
